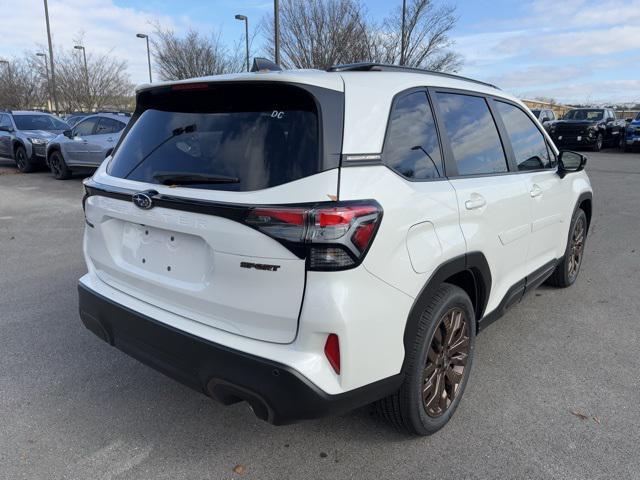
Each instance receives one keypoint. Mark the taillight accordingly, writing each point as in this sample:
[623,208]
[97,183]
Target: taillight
[334,236]
[332,351]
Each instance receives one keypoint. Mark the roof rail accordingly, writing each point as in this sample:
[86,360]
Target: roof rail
[383,67]
[112,112]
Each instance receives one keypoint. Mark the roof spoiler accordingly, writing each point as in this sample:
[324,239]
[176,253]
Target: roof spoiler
[264,65]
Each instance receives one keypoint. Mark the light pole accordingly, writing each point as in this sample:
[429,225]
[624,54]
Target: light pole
[53,73]
[402,35]
[276,29]
[46,69]
[146,37]
[86,70]
[246,35]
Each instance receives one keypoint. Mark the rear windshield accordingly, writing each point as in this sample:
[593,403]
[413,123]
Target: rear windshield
[235,137]
[39,122]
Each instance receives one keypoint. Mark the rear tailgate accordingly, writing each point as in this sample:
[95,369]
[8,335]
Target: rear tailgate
[191,253]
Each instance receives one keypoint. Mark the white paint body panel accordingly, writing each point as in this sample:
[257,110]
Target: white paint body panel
[406,204]
[189,263]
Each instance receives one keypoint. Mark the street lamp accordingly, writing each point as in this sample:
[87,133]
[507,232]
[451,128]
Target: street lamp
[276,29]
[245,19]
[53,71]
[146,37]
[86,69]
[46,68]
[402,32]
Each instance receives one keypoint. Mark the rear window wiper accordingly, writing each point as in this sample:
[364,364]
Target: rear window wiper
[176,132]
[169,178]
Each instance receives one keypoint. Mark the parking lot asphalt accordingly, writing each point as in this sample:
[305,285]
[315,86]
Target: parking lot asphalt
[73,407]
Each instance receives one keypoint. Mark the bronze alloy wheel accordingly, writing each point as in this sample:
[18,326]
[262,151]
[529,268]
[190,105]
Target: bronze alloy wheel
[446,362]
[577,248]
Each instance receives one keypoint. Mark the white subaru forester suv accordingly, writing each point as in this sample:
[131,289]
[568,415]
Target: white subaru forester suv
[313,241]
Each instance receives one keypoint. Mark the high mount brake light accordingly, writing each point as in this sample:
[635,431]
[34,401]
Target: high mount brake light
[335,236]
[189,86]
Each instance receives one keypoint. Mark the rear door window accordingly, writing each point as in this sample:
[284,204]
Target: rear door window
[108,125]
[529,146]
[235,137]
[85,127]
[472,133]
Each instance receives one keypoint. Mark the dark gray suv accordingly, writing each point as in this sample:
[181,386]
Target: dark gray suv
[86,145]
[24,137]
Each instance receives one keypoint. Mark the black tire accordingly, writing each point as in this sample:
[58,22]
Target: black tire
[407,410]
[598,145]
[58,166]
[622,143]
[567,270]
[23,162]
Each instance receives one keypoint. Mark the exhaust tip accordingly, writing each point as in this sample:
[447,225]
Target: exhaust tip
[228,394]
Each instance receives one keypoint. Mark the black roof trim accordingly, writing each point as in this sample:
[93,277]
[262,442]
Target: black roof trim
[383,67]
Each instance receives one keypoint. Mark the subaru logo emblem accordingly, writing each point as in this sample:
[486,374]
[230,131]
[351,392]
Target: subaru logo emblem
[144,200]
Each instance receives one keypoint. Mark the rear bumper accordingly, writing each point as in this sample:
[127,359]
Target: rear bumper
[276,392]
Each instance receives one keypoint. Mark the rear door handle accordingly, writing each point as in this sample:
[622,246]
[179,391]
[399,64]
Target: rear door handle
[535,191]
[476,201]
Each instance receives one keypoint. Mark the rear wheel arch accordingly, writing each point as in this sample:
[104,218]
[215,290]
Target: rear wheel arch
[585,202]
[470,272]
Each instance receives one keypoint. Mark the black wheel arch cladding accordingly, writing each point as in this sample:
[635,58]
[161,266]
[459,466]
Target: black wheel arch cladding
[475,264]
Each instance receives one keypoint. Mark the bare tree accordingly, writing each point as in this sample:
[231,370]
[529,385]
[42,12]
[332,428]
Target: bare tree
[194,55]
[426,37]
[22,86]
[319,33]
[105,84]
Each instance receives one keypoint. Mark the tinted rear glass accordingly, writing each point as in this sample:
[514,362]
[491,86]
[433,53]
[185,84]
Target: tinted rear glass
[261,135]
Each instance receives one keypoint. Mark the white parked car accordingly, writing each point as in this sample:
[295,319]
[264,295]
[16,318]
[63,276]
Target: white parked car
[310,241]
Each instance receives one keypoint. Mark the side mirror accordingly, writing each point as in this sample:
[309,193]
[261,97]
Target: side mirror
[628,120]
[6,128]
[570,162]
[67,133]
[545,119]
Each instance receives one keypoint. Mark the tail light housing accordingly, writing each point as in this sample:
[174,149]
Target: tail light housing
[332,236]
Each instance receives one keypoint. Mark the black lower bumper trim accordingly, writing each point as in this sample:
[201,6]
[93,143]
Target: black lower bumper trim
[276,392]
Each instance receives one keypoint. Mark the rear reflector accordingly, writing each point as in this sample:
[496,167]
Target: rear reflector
[334,236]
[332,351]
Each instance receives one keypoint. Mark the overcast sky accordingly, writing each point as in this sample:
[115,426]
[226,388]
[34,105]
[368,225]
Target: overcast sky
[572,50]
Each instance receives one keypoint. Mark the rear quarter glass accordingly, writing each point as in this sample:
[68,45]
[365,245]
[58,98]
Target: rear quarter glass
[262,134]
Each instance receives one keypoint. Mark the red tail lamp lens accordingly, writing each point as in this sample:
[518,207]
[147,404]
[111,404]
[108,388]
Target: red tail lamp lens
[363,235]
[332,351]
[292,215]
[327,217]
